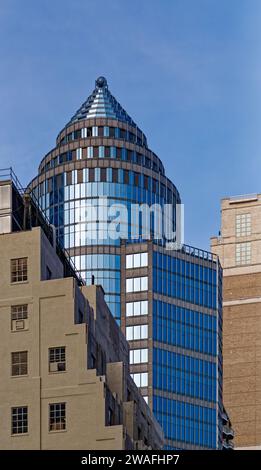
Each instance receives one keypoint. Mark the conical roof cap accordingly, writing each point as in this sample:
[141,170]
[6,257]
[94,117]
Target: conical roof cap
[101,104]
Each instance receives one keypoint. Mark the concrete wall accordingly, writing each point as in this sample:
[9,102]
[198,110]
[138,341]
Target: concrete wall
[53,321]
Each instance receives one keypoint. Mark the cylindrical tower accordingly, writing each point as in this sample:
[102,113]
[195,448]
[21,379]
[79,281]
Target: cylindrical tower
[169,301]
[100,153]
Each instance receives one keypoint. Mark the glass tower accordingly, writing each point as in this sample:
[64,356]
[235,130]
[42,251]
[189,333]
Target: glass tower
[168,301]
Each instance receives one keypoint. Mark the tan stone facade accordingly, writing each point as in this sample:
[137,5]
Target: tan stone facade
[239,249]
[83,399]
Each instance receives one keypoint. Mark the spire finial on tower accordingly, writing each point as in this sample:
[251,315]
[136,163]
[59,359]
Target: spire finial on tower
[101,82]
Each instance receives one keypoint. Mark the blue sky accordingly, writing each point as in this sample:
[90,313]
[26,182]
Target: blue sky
[187,71]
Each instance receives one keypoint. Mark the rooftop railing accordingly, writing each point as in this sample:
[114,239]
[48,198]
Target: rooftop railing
[8,174]
[198,253]
[49,229]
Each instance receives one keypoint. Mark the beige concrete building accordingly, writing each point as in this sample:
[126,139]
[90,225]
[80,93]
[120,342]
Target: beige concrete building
[239,250]
[65,381]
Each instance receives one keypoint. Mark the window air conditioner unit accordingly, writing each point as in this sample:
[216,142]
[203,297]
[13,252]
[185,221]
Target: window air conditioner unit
[57,366]
[53,367]
[18,325]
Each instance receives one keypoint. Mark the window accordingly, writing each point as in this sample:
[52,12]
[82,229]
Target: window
[57,361]
[136,332]
[57,416]
[137,284]
[122,134]
[101,152]
[19,270]
[146,398]
[131,137]
[97,174]
[77,134]
[20,420]
[103,175]
[106,131]
[137,260]
[91,175]
[48,273]
[112,152]
[80,176]
[89,152]
[136,177]
[243,225]
[138,356]
[115,175]
[93,361]
[107,152]
[19,316]
[140,379]
[78,154]
[129,285]
[95,131]
[143,283]
[19,363]
[68,178]
[112,132]
[144,310]
[110,417]
[129,309]
[80,316]
[84,133]
[137,308]
[126,177]
[243,253]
